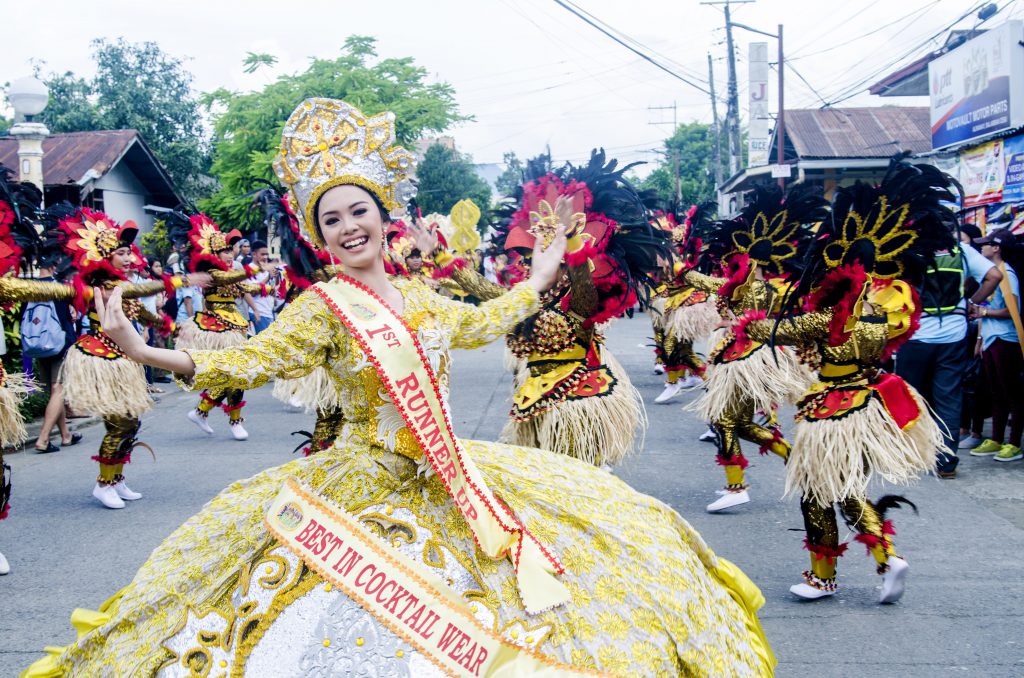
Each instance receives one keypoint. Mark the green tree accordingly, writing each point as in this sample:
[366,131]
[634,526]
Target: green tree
[512,177]
[446,177]
[693,145]
[155,243]
[253,61]
[247,127]
[136,86]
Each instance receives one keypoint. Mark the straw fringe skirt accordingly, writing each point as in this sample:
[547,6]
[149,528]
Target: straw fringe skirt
[12,424]
[767,377]
[103,386]
[598,430]
[833,459]
[191,336]
[692,323]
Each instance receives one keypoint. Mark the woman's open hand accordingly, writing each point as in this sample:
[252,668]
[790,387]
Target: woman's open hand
[424,236]
[546,264]
[114,322]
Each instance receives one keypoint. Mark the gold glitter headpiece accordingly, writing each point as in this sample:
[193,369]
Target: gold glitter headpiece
[328,143]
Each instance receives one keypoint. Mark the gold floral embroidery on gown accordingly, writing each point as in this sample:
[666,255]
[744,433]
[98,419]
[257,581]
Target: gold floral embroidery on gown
[219,597]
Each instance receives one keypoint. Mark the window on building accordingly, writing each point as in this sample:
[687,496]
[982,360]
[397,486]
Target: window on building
[95,200]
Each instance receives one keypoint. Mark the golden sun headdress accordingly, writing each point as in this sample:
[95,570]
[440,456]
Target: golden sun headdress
[91,237]
[328,143]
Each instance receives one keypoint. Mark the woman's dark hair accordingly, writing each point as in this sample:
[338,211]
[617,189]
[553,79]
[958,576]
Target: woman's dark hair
[384,216]
[153,260]
[971,231]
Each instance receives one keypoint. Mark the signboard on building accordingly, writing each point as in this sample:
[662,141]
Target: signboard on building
[982,173]
[758,131]
[1013,181]
[977,89]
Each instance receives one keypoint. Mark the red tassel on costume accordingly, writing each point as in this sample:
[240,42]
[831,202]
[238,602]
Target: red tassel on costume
[228,409]
[737,460]
[126,458]
[449,270]
[739,328]
[776,438]
[581,256]
[846,281]
[205,397]
[7,510]
[821,551]
[888,528]
[871,541]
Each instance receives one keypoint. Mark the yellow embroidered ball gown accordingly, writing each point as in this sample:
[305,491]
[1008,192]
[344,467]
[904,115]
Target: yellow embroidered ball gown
[220,597]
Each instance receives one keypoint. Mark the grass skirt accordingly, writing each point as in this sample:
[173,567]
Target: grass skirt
[104,387]
[757,377]
[12,424]
[597,430]
[692,323]
[313,392]
[833,459]
[192,336]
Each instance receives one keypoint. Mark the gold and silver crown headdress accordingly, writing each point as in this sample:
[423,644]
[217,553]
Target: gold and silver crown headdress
[328,143]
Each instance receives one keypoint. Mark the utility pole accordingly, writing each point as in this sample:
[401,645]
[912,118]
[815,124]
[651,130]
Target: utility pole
[780,124]
[732,113]
[716,133]
[673,155]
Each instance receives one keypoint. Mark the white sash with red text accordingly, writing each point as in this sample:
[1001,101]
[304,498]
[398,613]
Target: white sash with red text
[406,598]
[401,364]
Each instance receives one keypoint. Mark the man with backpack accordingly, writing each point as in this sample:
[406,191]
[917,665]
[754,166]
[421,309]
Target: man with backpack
[934,360]
[47,331]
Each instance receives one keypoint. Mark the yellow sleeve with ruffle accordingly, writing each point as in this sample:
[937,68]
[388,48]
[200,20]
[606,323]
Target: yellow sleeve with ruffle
[302,338]
[474,326]
[705,283]
[793,331]
[13,290]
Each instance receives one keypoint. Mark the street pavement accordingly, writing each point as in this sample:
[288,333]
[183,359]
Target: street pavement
[961,616]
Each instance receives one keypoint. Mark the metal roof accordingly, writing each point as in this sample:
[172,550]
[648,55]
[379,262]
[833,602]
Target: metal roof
[80,158]
[857,132]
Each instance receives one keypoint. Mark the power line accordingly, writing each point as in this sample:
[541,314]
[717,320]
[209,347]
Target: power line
[857,87]
[572,10]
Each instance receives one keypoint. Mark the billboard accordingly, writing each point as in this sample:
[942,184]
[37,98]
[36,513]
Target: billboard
[982,172]
[758,135]
[1013,181]
[977,89]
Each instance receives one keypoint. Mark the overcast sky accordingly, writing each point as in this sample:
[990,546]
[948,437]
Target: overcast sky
[529,72]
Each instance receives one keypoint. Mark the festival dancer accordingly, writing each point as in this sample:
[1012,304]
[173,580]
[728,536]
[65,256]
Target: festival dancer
[754,250]
[219,324]
[572,396]
[856,421]
[414,565]
[681,314]
[98,378]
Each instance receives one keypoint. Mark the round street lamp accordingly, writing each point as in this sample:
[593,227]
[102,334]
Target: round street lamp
[28,96]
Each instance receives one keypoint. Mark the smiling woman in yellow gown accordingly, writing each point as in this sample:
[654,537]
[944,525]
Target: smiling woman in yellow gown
[603,579]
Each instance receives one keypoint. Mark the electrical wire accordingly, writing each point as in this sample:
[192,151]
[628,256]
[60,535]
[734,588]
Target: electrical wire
[852,90]
[572,10]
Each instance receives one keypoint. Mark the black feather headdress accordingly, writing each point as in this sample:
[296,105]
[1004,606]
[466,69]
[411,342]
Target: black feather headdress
[624,249]
[877,236]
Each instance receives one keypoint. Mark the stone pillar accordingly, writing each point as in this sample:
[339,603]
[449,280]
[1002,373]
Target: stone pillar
[30,137]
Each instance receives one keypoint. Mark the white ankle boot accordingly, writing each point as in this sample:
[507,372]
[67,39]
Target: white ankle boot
[729,500]
[107,495]
[126,493]
[238,431]
[5,567]
[200,420]
[894,580]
